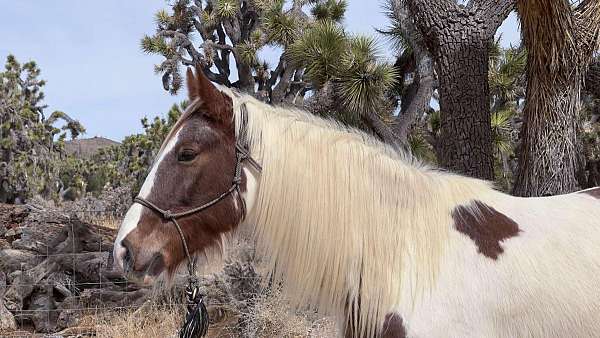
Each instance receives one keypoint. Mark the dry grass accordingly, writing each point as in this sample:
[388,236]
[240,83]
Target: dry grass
[273,317]
[270,317]
[155,322]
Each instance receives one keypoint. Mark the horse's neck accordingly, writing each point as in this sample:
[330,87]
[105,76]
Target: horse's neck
[340,217]
[342,222]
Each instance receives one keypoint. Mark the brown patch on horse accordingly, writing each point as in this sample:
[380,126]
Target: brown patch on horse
[594,192]
[486,226]
[393,326]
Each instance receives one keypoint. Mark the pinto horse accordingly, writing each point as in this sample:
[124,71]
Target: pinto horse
[354,229]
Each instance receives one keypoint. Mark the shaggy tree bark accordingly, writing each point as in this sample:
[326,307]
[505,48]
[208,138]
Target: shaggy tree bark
[560,42]
[459,38]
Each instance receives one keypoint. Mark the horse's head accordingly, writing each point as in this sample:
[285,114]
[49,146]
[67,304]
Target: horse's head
[195,165]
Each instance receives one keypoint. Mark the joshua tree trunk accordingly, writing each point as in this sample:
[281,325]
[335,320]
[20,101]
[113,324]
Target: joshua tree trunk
[466,145]
[547,155]
[459,38]
[560,42]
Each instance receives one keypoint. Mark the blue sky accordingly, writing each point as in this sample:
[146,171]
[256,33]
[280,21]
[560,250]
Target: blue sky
[89,54]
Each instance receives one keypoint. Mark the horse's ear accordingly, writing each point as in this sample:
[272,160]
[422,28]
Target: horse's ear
[191,85]
[217,105]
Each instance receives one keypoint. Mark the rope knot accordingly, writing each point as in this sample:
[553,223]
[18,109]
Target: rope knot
[242,155]
[167,214]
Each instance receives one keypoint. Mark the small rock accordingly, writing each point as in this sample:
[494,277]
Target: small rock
[2,284]
[13,232]
[7,320]
[26,244]
[11,277]
[43,312]
[4,244]
[68,313]
[11,260]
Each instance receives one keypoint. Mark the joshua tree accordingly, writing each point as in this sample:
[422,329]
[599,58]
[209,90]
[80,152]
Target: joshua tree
[342,72]
[30,146]
[459,38]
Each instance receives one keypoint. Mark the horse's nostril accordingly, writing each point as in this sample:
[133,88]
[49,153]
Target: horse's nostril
[127,258]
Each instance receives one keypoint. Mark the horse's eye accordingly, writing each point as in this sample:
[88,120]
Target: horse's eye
[186,155]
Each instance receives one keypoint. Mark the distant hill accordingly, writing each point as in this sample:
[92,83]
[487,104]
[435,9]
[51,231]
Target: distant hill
[87,147]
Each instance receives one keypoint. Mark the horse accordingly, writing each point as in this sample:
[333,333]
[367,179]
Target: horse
[360,231]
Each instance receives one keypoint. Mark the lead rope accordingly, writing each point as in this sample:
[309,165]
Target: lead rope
[196,314]
[196,319]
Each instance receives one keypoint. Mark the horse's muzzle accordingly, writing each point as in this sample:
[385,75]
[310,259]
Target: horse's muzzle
[135,268]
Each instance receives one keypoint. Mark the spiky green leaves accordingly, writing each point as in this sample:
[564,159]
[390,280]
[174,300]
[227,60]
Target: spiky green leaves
[351,63]
[209,20]
[264,5]
[281,28]
[163,19]
[333,10]
[364,85]
[227,8]
[156,45]
[74,127]
[394,32]
[506,72]
[247,53]
[319,50]
[420,148]
[502,130]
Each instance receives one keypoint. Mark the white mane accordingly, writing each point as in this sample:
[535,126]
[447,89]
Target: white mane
[340,216]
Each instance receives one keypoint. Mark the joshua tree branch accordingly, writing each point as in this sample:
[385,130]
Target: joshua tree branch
[492,11]
[421,90]
[278,93]
[218,45]
[276,73]
[382,130]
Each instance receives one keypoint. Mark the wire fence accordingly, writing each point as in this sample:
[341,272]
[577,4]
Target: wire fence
[58,286]
[51,288]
